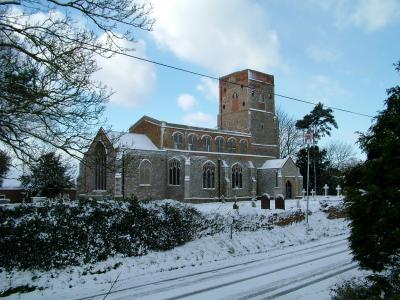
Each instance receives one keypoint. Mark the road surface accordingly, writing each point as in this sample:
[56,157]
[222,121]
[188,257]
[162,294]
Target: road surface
[302,272]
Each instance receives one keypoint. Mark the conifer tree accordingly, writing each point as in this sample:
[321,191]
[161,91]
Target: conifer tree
[48,177]
[373,191]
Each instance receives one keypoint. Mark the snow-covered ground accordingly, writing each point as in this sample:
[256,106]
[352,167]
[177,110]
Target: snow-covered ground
[207,255]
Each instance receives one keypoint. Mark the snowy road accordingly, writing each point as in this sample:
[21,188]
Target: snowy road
[301,272]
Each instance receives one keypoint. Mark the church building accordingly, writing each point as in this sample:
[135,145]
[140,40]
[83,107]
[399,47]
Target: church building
[237,160]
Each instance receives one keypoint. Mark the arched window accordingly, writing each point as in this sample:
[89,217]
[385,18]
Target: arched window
[145,172]
[220,144]
[206,143]
[192,142]
[237,177]
[243,146]
[209,176]
[178,140]
[174,172]
[232,145]
[100,171]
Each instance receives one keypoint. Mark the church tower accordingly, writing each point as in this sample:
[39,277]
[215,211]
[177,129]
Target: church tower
[247,104]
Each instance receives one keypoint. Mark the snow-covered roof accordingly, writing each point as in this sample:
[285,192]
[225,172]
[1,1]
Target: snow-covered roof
[274,163]
[130,140]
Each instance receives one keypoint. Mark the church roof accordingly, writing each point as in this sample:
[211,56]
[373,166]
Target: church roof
[129,140]
[275,163]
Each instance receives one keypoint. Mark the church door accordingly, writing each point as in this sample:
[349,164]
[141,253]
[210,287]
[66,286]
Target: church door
[288,190]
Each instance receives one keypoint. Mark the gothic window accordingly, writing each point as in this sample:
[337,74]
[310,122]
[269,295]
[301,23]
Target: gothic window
[174,172]
[209,176]
[235,96]
[206,143]
[178,140]
[243,146]
[100,171]
[237,177]
[232,145]
[145,172]
[220,144]
[192,142]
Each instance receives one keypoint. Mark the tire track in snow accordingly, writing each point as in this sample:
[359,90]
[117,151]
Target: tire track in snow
[303,251]
[275,286]
[199,291]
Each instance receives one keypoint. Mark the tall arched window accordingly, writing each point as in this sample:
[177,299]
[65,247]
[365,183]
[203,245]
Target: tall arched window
[174,172]
[232,145]
[178,140]
[237,177]
[243,146]
[209,176]
[192,142]
[100,171]
[145,172]
[220,144]
[206,143]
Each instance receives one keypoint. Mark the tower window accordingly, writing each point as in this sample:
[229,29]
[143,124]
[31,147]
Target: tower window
[223,106]
[243,103]
[235,96]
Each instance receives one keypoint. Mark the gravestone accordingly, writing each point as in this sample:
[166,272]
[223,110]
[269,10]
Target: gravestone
[279,202]
[265,202]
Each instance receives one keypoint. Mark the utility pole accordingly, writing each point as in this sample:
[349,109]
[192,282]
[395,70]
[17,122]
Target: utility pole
[308,139]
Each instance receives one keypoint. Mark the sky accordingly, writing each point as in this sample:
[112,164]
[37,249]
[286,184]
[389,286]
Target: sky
[338,52]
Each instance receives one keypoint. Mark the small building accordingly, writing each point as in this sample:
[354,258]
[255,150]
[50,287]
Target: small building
[158,159]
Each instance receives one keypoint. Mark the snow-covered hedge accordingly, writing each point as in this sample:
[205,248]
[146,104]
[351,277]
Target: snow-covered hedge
[57,233]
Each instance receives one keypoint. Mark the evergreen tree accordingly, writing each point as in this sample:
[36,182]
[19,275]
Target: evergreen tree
[373,191]
[319,121]
[5,163]
[48,177]
[326,174]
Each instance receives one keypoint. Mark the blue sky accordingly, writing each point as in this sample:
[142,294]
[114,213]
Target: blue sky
[338,52]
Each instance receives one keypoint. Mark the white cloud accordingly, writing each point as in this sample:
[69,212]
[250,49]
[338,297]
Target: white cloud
[209,88]
[200,119]
[370,15]
[322,54]
[130,79]
[325,89]
[375,14]
[220,35]
[186,102]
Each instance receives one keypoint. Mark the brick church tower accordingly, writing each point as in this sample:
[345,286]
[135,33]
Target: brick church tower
[247,104]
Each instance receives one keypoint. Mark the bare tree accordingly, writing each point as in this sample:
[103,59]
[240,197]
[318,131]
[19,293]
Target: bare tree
[290,138]
[340,155]
[48,49]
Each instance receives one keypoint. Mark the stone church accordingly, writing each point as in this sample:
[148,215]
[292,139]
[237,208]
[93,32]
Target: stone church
[158,160]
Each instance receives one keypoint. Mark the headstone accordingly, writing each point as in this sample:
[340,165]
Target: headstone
[235,206]
[303,193]
[279,202]
[313,194]
[326,188]
[265,202]
[338,189]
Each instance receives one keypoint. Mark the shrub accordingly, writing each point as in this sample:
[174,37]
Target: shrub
[57,234]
